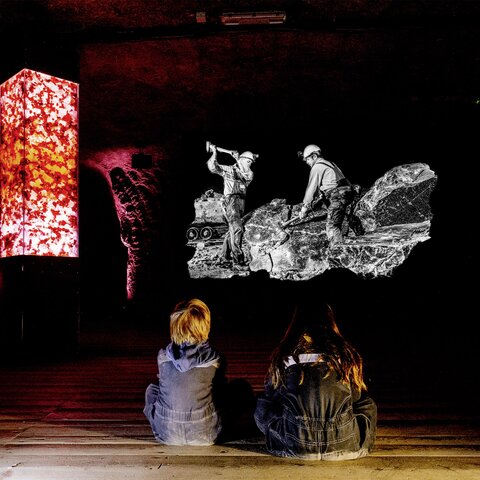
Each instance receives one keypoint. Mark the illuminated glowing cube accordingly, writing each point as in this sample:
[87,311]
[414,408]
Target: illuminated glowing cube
[38,166]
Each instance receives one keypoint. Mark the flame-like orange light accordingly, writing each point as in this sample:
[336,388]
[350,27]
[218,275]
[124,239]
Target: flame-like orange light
[38,166]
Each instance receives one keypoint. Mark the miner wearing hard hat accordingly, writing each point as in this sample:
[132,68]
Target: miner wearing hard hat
[328,182]
[236,179]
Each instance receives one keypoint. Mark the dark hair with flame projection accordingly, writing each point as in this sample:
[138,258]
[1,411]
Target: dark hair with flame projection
[313,329]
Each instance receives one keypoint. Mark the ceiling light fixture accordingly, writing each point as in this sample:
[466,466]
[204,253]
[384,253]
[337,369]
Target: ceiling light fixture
[253,18]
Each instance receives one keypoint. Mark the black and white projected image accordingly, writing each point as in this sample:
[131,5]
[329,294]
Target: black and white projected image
[381,226]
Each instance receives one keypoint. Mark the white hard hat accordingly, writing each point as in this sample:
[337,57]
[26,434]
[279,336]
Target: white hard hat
[248,155]
[309,149]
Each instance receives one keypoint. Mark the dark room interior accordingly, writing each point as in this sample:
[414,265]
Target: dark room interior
[376,84]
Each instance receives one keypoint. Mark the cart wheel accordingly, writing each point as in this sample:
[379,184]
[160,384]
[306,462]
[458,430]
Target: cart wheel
[206,233]
[192,234]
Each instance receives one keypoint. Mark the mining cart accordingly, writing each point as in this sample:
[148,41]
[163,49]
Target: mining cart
[209,224]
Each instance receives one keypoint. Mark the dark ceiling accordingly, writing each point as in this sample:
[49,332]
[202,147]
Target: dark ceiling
[31,28]
[87,17]
[346,55]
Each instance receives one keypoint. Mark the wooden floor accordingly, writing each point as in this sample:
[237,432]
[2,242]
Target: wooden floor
[81,418]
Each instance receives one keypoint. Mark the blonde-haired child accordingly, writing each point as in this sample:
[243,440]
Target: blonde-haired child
[182,408]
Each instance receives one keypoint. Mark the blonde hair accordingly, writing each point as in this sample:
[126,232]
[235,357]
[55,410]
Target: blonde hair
[190,322]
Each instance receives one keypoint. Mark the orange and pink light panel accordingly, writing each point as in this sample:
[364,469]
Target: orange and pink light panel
[38,166]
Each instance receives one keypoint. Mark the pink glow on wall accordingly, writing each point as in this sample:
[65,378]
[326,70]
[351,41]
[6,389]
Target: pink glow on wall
[38,166]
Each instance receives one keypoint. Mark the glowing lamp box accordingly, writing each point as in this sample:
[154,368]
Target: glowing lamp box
[38,166]
[39,271]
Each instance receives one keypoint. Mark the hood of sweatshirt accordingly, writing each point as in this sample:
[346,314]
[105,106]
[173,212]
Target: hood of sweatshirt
[187,356]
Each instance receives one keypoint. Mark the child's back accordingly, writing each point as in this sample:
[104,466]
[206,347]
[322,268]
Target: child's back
[181,408]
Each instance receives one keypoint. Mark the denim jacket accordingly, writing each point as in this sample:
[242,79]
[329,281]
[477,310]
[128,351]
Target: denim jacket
[181,408]
[318,418]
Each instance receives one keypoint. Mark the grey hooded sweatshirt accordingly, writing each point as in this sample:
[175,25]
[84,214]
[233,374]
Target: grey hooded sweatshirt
[181,408]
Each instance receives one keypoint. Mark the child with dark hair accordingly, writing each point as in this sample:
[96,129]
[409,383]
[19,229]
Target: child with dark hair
[314,405]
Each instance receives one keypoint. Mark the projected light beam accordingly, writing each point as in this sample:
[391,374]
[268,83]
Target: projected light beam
[38,166]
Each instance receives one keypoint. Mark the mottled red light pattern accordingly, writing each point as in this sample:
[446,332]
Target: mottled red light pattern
[38,166]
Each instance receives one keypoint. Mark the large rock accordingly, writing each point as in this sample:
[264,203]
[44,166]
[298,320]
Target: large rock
[295,252]
[400,197]
[395,214]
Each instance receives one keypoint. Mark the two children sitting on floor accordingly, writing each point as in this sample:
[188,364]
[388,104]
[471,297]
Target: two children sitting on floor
[314,405]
